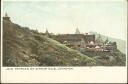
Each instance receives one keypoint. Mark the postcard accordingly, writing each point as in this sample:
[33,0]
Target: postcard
[52,41]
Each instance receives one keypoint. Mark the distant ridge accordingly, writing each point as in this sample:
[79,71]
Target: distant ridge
[121,44]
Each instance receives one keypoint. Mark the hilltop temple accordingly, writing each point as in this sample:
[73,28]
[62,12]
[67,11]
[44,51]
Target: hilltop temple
[80,41]
[85,41]
[6,17]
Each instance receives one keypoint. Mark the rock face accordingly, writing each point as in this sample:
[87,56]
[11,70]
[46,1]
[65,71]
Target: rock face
[24,47]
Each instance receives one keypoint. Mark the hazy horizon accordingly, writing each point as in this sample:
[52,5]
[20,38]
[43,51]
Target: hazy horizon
[107,18]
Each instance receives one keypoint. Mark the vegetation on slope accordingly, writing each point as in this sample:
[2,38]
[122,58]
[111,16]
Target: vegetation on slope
[24,47]
[116,58]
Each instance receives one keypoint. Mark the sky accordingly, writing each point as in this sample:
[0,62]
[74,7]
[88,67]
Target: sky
[104,17]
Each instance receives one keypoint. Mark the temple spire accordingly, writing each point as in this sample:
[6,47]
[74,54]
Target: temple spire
[106,41]
[47,31]
[77,31]
[6,15]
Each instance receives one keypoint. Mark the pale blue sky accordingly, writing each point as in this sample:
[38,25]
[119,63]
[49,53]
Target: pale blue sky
[108,18]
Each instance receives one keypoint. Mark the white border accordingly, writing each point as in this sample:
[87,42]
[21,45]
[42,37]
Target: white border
[76,75]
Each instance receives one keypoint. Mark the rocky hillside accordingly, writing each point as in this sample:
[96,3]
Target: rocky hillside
[24,47]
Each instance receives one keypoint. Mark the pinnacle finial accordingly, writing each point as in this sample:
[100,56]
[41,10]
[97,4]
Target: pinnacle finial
[77,31]
[47,30]
[6,15]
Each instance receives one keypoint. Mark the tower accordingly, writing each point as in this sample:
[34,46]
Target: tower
[77,31]
[47,33]
[99,40]
[106,41]
[6,17]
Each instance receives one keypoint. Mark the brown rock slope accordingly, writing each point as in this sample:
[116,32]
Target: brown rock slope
[24,47]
